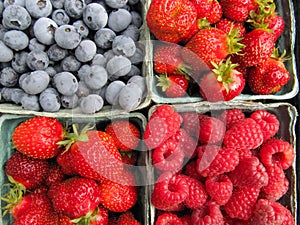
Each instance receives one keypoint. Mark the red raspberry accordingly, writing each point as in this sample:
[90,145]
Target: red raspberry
[277,151]
[190,170]
[211,130]
[186,219]
[268,212]
[267,121]
[245,134]
[190,123]
[169,191]
[219,188]
[167,156]
[244,153]
[209,214]
[231,116]
[249,172]
[163,124]
[281,191]
[242,202]
[168,218]
[214,160]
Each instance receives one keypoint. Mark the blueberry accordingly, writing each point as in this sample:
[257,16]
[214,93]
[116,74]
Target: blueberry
[137,19]
[95,16]
[112,92]
[16,39]
[69,102]
[70,63]
[56,53]
[36,82]
[38,8]
[16,17]
[30,102]
[34,44]
[91,103]
[118,66]
[58,4]
[97,78]
[100,92]
[82,29]
[14,95]
[1,8]
[6,54]
[83,89]
[109,54]
[99,60]
[85,70]
[67,36]
[18,63]
[104,38]
[8,77]
[134,71]
[13,2]
[137,57]
[74,8]
[116,3]
[132,31]
[60,17]
[123,45]
[119,20]
[37,60]
[130,96]
[85,51]
[140,81]
[51,71]
[65,83]
[49,100]
[3,30]
[44,30]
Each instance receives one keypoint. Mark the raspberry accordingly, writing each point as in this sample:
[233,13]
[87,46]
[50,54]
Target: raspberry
[219,188]
[209,214]
[211,130]
[231,116]
[267,121]
[168,218]
[244,153]
[167,156]
[214,160]
[186,219]
[277,151]
[190,123]
[242,202]
[190,170]
[169,191]
[268,212]
[245,134]
[249,172]
[282,190]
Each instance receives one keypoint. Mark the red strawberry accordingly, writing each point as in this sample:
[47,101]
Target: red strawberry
[203,7]
[168,218]
[129,157]
[170,20]
[224,83]
[99,216]
[55,175]
[163,123]
[119,196]
[227,25]
[64,160]
[75,197]
[125,134]
[209,214]
[231,116]
[174,85]
[64,220]
[127,218]
[27,171]
[38,137]
[215,13]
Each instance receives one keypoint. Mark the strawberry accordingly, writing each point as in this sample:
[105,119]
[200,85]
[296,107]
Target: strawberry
[174,85]
[227,25]
[129,157]
[98,217]
[170,20]
[75,197]
[125,134]
[127,218]
[26,171]
[38,137]
[64,220]
[55,175]
[224,83]
[215,13]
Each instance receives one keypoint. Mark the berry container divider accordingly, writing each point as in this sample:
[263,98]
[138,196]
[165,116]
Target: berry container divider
[9,122]
[285,42]
[286,114]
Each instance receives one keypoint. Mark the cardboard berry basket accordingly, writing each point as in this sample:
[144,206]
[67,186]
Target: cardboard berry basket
[9,122]
[286,114]
[285,42]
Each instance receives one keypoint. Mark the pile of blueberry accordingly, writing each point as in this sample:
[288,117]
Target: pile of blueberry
[57,54]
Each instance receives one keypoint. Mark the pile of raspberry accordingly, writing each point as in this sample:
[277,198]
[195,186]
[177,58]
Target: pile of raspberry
[228,168]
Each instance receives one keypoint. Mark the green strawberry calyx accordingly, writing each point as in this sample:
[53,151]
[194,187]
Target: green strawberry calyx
[233,41]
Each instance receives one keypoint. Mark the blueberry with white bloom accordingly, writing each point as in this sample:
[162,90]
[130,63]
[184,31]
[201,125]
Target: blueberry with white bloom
[1,8]
[13,2]
[38,8]
[83,71]
[112,92]
[49,100]
[137,19]
[134,71]
[91,103]
[123,45]
[35,82]
[83,89]
[137,57]
[74,8]
[56,53]
[34,44]
[6,54]
[119,20]
[116,3]
[67,36]
[12,94]
[30,102]
[58,4]
[95,16]
[118,66]
[65,83]
[51,71]
[37,60]
[8,77]
[132,31]
[97,78]
[3,30]
[82,29]
[16,17]
[140,81]
[109,54]
[19,63]
[69,102]
[60,17]
[130,97]
[70,63]
[44,30]
[104,38]
[99,59]
[16,39]
[85,51]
